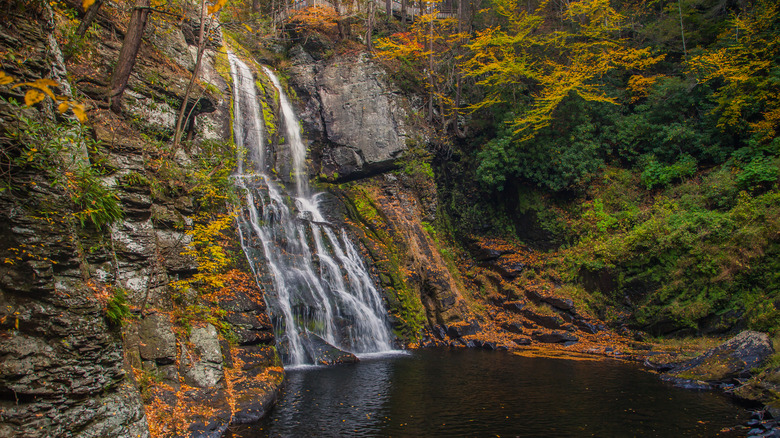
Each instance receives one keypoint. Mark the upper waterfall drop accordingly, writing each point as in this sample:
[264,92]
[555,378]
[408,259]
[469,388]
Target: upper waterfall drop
[295,140]
[247,128]
[322,294]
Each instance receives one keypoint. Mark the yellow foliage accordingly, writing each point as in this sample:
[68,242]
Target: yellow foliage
[550,66]
[207,248]
[5,79]
[745,63]
[87,3]
[316,18]
[40,85]
[639,86]
[216,6]
[39,89]
[430,47]
[32,97]
[78,111]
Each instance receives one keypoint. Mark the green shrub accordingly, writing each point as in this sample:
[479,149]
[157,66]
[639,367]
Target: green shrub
[55,149]
[117,309]
[656,174]
[719,189]
[760,172]
[97,205]
[135,179]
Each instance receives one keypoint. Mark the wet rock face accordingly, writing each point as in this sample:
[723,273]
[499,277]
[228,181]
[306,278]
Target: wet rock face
[397,243]
[64,372]
[359,118]
[61,366]
[202,367]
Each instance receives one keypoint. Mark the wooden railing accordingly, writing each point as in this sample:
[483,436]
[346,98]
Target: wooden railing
[345,9]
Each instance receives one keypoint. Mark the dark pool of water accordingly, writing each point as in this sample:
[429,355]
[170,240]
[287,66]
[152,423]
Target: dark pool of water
[463,392]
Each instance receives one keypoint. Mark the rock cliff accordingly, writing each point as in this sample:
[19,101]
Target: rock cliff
[358,122]
[119,326]
[106,329]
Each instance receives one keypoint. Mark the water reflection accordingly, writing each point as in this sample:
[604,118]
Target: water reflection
[333,401]
[477,393]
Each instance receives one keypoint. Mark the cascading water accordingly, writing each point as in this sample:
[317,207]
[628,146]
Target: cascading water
[322,292]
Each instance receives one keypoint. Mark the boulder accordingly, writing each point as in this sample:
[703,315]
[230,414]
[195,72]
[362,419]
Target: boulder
[551,322]
[554,337]
[489,346]
[508,267]
[467,343]
[513,327]
[463,328]
[487,254]
[587,327]
[533,295]
[158,343]
[322,353]
[514,306]
[440,331]
[206,371]
[733,359]
[560,303]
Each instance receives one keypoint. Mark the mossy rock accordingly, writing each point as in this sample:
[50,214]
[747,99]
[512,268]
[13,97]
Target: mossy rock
[764,387]
[735,358]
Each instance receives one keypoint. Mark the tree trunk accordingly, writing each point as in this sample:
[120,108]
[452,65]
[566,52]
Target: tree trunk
[430,69]
[682,30]
[201,48]
[458,73]
[92,13]
[87,21]
[370,26]
[389,9]
[403,11]
[128,53]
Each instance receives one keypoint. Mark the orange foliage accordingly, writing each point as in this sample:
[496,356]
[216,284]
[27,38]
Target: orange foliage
[321,19]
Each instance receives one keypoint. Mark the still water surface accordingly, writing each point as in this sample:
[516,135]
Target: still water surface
[461,392]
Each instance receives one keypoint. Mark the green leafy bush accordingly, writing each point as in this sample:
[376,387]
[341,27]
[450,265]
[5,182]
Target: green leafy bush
[657,174]
[760,172]
[673,120]
[97,205]
[117,309]
[59,151]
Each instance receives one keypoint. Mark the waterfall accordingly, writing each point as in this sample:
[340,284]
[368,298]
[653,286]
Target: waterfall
[322,291]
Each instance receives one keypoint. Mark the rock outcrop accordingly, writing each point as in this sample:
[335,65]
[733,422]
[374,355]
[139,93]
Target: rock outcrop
[420,288]
[731,360]
[67,368]
[357,122]
[62,368]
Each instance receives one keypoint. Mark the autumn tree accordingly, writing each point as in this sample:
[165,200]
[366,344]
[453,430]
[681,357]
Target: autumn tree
[202,36]
[428,54]
[550,66]
[745,62]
